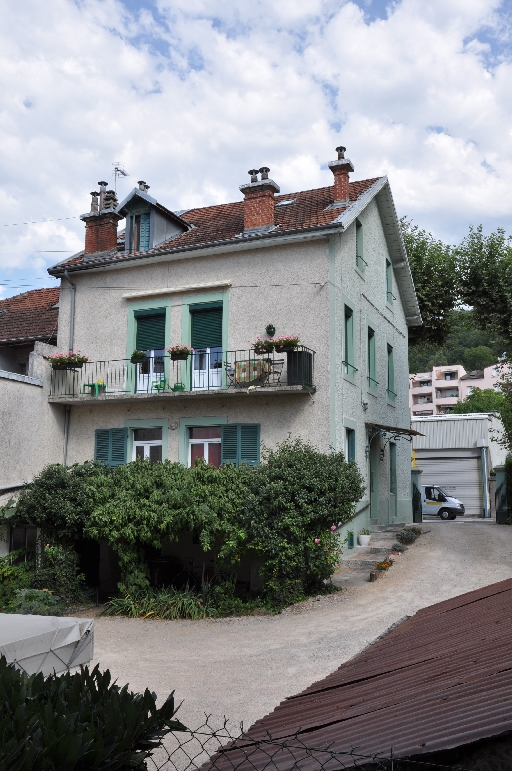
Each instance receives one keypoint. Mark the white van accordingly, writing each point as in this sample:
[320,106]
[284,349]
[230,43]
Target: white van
[435,502]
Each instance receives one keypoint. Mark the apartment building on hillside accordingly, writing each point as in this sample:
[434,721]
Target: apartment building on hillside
[436,392]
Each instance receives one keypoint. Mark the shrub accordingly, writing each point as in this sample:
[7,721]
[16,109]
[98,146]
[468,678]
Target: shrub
[160,603]
[406,536]
[415,529]
[77,722]
[58,573]
[399,547]
[14,575]
[37,602]
[384,565]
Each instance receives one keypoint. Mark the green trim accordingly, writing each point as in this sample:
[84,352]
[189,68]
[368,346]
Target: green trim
[163,424]
[371,359]
[351,375]
[390,373]
[389,283]
[333,348]
[210,300]
[185,424]
[204,306]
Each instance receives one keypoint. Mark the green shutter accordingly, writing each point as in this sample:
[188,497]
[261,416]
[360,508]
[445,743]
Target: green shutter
[391,372]
[229,443]
[144,233]
[206,328]
[110,446]
[118,437]
[102,445]
[150,334]
[351,444]
[241,443]
[250,443]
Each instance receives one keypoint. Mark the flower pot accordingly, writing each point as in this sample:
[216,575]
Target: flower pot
[70,365]
[285,348]
[364,540]
[179,356]
[138,359]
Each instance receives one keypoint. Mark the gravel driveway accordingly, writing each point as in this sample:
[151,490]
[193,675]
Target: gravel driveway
[243,667]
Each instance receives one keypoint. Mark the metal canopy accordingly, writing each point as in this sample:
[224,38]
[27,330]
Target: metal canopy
[396,433]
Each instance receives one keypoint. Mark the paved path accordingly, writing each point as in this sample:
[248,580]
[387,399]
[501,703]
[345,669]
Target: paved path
[243,667]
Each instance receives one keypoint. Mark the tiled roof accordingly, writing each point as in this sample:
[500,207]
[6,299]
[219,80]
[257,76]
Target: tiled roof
[29,316]
[476,374]
[213,224]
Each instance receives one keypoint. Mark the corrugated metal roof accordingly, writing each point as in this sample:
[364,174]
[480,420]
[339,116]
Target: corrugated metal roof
[439,680]
[448,432]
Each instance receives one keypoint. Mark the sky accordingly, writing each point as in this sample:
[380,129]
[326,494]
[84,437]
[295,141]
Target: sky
[190,94]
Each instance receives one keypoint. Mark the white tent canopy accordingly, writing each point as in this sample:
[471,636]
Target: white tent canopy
[46,643]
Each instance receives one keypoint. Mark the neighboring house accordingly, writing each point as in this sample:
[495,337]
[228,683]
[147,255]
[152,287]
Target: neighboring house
[436,392]
[24,320]
[457,452]
[328,265]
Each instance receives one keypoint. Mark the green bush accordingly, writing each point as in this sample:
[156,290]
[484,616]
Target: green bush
[160,603]
[14,575]
[77,722]
[37,602]
[58,573]
[399,547]
[406,536]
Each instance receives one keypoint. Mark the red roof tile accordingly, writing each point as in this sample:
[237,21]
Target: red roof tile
[29,316]
[212,224]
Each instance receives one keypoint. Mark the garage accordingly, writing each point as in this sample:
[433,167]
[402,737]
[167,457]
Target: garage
[457,472]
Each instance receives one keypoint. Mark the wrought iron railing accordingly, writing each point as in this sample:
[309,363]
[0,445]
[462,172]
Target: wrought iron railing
[205,370]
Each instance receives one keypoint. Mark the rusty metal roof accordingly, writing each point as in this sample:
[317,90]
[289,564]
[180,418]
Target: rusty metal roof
[441,679]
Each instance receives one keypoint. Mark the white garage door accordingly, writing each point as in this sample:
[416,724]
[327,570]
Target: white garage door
[458,477]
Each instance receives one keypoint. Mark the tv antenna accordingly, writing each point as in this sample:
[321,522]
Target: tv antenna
[118,172]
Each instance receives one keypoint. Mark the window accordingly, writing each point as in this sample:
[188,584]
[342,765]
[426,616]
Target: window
[389,283]
[110,446]
[391,374]
[241,443]
[348,361]
[350,444]
[138,226]
[372,360]
[425,383]
[205,442]
[360,261]
[147,444]
[206,340]
[150,337]
[23,538]
[450,376]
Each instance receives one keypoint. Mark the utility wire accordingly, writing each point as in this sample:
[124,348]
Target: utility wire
[38,222]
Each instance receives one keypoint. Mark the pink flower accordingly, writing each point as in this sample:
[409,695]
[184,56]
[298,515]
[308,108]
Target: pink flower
[317,540]
[333,528]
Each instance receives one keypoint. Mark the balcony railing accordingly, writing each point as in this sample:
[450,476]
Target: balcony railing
[205,370]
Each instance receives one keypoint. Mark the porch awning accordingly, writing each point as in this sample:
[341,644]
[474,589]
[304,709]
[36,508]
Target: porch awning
[378,427]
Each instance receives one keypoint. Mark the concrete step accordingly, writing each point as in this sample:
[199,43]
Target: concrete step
[362,561]
[351,577]
[371,549]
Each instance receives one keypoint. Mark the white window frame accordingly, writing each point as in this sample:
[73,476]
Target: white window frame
[146,444]
[206,442]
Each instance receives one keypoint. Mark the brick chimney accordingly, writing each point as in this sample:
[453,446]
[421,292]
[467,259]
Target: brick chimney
[341,169]
[259,201]
[101,223]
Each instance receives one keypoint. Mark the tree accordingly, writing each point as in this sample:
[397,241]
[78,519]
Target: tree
[479,400]
[484,275]
[433,270]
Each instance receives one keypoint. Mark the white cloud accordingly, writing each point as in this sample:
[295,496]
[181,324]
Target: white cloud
[190,94]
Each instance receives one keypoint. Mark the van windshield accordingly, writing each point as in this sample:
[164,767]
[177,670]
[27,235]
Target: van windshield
[442,492]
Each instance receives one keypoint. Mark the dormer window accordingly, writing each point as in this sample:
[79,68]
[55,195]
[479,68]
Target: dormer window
[137,230]
[148,223]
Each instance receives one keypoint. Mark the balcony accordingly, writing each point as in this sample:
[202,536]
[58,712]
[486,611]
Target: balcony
[205,373]
[421,390]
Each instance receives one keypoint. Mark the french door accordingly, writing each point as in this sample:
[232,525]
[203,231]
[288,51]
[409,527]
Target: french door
[206,369]
[151,372]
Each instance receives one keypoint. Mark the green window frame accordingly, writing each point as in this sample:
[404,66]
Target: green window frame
[360,261]
[240,443]
[348,353]
[392,468]
[372,360]
[390,297]
[110,446]
[391,374]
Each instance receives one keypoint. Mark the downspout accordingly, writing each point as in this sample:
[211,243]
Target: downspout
[71,341]
[71,310]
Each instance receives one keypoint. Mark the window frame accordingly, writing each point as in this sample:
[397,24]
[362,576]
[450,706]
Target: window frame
[349,368]
[390,297]
[162,423]
[361,263]
[371,359]
[391,379]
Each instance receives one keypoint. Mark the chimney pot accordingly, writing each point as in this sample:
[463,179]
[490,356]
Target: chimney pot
[94,201]
[142,185]
[341,169]
[264,172]
[254,175]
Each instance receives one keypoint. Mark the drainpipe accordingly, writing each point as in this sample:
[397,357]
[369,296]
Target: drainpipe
[71,342]
[71,310]
[485,494]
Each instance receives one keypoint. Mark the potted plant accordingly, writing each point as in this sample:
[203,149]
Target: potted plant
[138,356]
[71,360]
[262,347]
[180,352]
[286,343]
[364,537]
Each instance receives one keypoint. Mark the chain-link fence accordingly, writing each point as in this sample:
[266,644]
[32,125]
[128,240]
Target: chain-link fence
[228,748]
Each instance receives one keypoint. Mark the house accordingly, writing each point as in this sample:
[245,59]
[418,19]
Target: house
[458,452]
[436,392]
[327,265]
[24,320]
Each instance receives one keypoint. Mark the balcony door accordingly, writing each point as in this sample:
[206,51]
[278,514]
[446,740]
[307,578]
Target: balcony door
[150,337]
[206,340]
